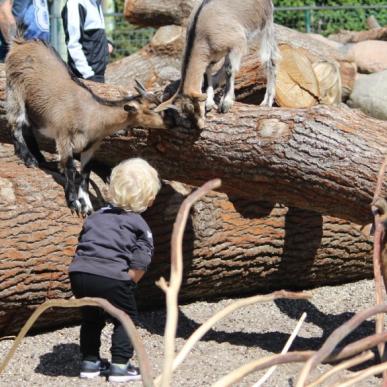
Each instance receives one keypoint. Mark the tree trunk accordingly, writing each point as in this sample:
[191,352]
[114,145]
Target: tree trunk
[155,65]
[231,246]
[159,62]
[324,159]
[157,13]
[360,36]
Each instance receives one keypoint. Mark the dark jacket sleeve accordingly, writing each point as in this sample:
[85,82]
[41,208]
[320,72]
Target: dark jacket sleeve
[142,243]
[142,252]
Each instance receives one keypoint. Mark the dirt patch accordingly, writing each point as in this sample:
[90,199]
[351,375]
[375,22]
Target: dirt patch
[52,359]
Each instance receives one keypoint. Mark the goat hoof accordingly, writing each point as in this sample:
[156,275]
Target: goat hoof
[209,106]
[75,206]
[86,208]
[267,102]
[30,161]
[225,105]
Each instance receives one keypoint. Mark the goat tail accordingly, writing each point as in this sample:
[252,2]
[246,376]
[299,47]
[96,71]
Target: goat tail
[269,50]
[18,37]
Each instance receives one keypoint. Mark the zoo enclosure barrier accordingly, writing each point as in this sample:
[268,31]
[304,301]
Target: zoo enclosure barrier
[319,19]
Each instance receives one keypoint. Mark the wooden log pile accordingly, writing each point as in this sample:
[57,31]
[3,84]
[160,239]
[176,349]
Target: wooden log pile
[231,246]
[296,192]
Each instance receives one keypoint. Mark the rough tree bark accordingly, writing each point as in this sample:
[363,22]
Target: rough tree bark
[157,13]
[324,159]
[231,246]
[155,65]
[159,62]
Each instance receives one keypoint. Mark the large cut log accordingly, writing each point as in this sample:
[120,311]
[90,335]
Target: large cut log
[370,56]
[159,62]
[370,95]
[157,13]
[360,36]
[324,159]
[155,65]
[231,246]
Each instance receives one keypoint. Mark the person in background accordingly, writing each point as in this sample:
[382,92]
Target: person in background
[32,15]
[87,45]
[114,250]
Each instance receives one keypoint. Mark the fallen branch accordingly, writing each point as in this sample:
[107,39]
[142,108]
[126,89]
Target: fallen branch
[360,36]
[343,366]
[357,347]
[336,336]
[172,291]
[256,365]
[299,357]
[374,370]
[205,327]
[377,258]
[120,315]
[285,350]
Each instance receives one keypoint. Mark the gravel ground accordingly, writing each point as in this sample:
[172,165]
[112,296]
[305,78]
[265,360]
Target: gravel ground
[52,359]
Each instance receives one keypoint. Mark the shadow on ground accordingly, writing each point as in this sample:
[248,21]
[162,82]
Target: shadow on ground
[63,360]
[274,341]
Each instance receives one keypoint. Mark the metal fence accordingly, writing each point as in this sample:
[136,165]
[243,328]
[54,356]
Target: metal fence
[330,19]
[128,39]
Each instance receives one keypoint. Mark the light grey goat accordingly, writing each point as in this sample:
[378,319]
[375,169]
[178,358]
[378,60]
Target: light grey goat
[221,29]
[42,94]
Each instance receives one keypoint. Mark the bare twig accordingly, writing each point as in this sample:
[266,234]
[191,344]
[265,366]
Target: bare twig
[172,290]
[343,366]
[109,308]
[377,260]
[377,250]
[358,346]
[205,327]
[261,364]
[299,357]
[374,370]
[7,338]
[336,336]
[379,182]
[285,350]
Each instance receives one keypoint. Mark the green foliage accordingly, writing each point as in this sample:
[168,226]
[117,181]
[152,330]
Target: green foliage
[126,37]
[329,21]
[129,39]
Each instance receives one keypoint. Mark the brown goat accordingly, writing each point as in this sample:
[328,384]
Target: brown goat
[217,30]
[42,94]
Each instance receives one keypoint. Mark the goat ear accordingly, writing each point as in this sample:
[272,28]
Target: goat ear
[130,109]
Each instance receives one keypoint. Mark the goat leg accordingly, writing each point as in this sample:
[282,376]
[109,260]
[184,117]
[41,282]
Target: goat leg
[232,63]
[83,192]
[21,148]
[210,102]
[70,173]
[32,144]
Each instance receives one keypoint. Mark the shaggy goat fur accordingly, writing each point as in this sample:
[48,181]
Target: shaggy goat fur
[42,94]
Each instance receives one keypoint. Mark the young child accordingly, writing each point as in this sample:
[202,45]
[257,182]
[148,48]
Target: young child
[115,248]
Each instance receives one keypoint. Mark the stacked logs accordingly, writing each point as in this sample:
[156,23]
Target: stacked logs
[296,193]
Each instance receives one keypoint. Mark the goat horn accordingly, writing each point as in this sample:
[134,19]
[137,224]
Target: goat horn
[139,86]
[168,104]
[146,94]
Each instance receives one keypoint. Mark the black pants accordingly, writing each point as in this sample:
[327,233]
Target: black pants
[118,293]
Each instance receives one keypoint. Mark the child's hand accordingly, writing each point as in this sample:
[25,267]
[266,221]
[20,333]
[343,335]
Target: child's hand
[135,274]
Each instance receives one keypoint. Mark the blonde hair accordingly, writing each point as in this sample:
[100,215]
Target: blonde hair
[134,184]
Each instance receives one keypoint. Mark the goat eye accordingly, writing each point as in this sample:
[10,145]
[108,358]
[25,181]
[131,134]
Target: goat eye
[130,109]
